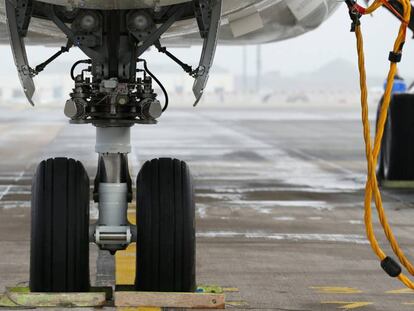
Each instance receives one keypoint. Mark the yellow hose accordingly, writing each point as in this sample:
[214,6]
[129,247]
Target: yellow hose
[372,189]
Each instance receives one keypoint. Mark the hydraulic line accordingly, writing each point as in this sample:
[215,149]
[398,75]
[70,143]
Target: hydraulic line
[390,266]
[164,91]
[72,70]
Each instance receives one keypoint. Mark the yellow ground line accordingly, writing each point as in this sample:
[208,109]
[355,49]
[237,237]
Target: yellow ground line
[237,303]
[349,305]
[336,290]
[138,309]
[400,291]
[125,266]
[125,260]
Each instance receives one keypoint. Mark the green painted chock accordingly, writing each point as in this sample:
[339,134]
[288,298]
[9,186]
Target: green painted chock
[209,289]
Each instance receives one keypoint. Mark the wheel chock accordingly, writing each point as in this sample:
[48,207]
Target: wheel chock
[205,297]
[19,297]
[397,184]
[170,300]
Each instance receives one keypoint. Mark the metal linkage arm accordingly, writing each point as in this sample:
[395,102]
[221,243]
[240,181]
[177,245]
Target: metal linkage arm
[187,68]
[64,49]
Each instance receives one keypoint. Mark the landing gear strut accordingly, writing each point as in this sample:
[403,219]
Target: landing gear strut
[113,90]
[113,190]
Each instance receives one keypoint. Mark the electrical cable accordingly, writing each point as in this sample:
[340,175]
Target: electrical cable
[72,70]
[158,82]
[391,267]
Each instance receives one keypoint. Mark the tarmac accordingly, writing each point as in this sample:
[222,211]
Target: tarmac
[279,194]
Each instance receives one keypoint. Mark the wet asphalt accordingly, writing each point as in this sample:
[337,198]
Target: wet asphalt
[279,194]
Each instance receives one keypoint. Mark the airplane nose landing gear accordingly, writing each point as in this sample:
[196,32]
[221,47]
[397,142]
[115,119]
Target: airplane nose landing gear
[165,232]
[113,93]
[165,219]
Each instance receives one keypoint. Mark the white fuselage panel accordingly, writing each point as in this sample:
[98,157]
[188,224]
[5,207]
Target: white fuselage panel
[243,22]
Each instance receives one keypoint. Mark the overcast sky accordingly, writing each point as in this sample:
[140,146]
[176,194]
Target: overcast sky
[303,54]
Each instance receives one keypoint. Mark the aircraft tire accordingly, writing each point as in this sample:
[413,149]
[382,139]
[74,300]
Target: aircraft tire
[165,227]
[59,255]
[397,150]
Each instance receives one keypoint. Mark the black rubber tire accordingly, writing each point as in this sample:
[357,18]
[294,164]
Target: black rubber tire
[165,227]
[397,150]
[59,255]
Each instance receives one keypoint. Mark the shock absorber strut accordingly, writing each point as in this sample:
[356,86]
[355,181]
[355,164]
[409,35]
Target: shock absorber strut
[112,189]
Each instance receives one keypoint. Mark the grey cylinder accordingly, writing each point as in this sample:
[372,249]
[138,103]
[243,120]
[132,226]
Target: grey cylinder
[113,140]
[113,204]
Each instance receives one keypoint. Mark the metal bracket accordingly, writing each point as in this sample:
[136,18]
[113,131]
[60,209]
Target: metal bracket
[113,235]
[17,28]
[70,34]
[156,33]
[210,35]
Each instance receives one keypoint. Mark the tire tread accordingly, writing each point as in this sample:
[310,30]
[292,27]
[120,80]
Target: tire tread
[165,215]
[60,227]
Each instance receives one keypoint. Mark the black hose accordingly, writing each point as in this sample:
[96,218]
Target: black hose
[72,70]
[159,84]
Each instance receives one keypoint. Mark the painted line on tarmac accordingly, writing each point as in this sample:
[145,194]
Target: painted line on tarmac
[125,266]
[349,305]
[400,291]
[237,304]
[336,290]
[138,309]
[260,235]
[125,260]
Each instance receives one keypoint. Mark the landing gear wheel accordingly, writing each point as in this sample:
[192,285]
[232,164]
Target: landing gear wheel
[397,151]
[59,255]
[166,227]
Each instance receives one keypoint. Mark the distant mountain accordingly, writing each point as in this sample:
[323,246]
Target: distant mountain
[337,75]
[339,66]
